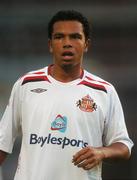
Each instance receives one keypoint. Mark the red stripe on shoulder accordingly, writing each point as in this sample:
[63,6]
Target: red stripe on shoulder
[103,82]
[40,72]
[34,79]
[94,86]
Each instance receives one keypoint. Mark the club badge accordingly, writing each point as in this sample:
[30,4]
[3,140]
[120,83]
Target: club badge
[86,104]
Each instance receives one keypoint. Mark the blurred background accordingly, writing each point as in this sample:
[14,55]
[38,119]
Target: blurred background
[112,55]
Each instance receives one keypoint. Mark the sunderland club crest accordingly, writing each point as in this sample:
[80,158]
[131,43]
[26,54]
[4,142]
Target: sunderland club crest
[87,104]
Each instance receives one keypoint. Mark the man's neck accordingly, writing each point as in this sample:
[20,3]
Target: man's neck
[66,73]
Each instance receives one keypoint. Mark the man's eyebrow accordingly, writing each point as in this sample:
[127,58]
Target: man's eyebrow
[60,33]
[76,33]
[71,35]
[79,35]
[57,33]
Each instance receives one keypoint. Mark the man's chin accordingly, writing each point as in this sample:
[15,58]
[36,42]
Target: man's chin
[67,65]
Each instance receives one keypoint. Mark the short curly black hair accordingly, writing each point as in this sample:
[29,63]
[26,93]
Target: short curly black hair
[66,15]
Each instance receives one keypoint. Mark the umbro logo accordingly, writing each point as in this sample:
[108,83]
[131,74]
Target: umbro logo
[38,90]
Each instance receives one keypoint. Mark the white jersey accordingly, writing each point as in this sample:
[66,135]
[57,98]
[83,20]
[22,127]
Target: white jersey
[58,119]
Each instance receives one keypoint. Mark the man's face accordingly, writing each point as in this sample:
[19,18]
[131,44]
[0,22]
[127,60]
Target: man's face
[68,43]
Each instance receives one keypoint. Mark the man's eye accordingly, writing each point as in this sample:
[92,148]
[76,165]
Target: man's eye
[76,36]
[57,36]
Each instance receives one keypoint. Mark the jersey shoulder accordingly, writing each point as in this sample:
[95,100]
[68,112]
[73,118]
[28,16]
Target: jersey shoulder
[34,76]
[96,82]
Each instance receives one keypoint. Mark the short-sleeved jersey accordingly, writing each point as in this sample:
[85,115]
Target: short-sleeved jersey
[56,120]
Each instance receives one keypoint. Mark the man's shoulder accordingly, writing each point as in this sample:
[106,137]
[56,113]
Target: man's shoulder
[97,81]
[34,75]
[94,77]
[36,72]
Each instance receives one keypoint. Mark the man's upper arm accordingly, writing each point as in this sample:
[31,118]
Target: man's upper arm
[115,127]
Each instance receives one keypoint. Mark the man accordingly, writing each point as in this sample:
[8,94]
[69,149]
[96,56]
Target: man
[70,119]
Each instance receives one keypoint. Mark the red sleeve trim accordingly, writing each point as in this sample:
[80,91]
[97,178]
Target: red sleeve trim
[94,86]
[34,79]
[103,82]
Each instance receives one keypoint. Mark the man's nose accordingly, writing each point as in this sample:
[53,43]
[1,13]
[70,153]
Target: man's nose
[67,46]
[67,43]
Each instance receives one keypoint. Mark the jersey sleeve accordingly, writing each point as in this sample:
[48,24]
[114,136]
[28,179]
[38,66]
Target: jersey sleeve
[115,128]
[10,122]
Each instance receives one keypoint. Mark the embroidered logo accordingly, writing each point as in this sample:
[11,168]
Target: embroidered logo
[59,124]
[38,90]
[86,104]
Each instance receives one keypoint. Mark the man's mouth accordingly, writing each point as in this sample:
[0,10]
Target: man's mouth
[67,55]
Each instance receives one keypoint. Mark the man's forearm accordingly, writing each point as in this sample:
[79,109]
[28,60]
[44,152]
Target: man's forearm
[89,157]
[3,156]
[116,151]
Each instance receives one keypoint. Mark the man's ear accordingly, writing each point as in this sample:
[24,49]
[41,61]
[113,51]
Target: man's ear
[87,44]
[50,45]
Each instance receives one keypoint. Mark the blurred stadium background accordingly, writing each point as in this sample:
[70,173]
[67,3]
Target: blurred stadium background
[113,56]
